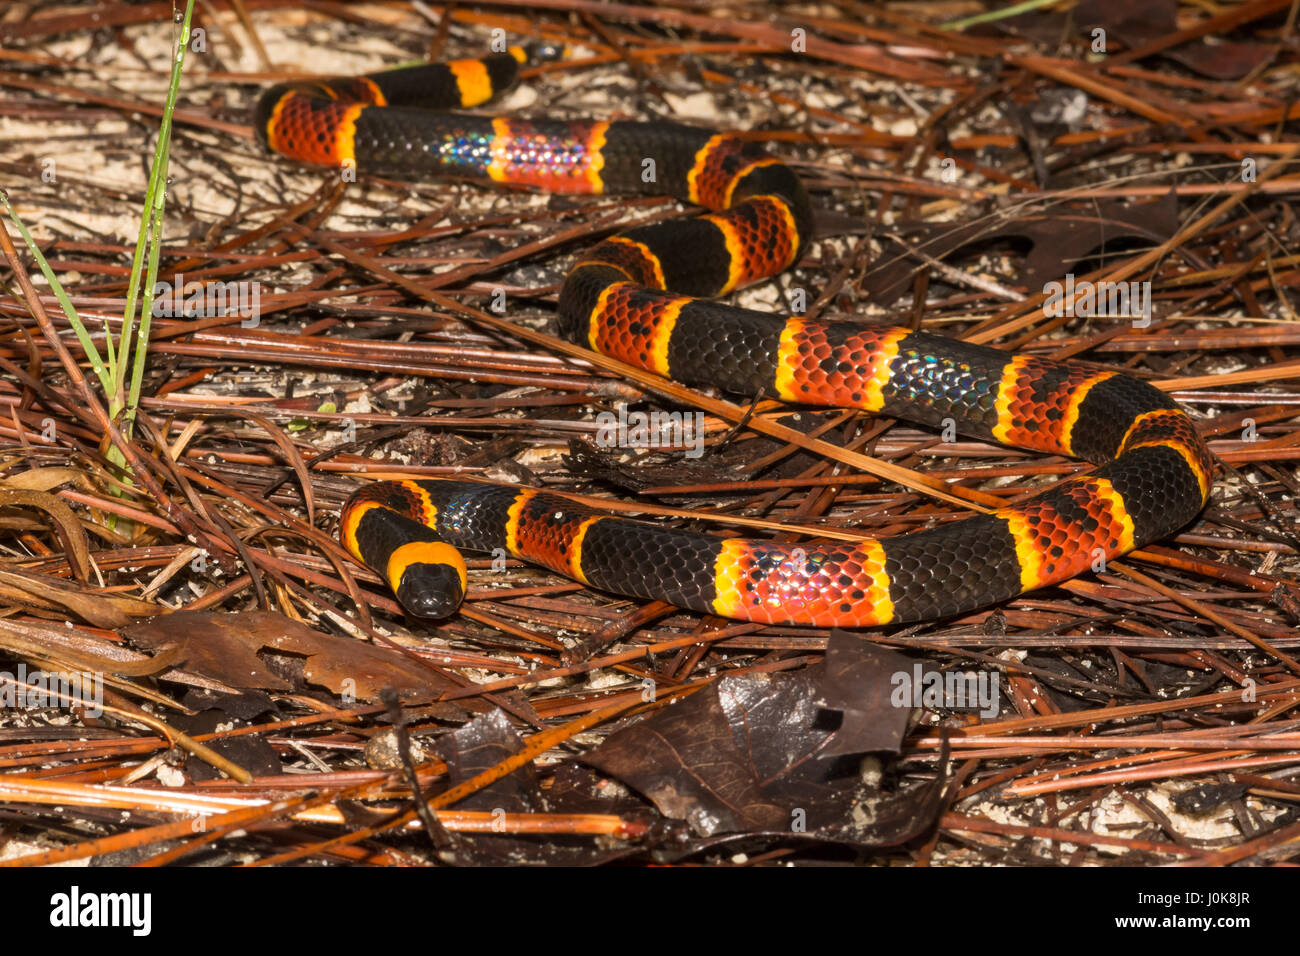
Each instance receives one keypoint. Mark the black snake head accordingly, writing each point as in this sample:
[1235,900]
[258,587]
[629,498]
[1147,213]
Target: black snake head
[430,590]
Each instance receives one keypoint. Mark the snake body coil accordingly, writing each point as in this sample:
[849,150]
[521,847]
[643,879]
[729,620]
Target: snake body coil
[641,297]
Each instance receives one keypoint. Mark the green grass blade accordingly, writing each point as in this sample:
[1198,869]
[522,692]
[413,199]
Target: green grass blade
[87,346]
[989,16]
[133,345]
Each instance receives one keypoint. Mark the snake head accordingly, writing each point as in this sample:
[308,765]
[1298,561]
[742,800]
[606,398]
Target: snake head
[431,590]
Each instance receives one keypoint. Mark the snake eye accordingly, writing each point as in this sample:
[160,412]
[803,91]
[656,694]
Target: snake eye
[545,52]
[430,590]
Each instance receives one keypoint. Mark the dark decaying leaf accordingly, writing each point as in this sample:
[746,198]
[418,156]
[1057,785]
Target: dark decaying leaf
[482,744]
[1059,241]
[247,705]
[762,753]
[576,788]
[1126,23]
[852,685]
[881,819]
[1208,796]
[250,751]
[1064,697]
[1224,60]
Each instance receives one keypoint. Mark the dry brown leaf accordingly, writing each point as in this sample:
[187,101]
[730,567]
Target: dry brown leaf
[76,547]
[225,647]
[45,595]
[44,479]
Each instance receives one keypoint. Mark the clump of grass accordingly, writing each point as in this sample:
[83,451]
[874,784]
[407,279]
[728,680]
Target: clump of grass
[132,346]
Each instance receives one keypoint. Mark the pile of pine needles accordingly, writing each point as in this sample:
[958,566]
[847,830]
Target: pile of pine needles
[250,696]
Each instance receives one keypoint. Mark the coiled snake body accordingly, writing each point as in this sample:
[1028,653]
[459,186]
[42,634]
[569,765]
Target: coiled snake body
[642,297]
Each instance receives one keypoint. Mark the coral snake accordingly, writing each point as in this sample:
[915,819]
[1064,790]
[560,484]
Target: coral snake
[642,296]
